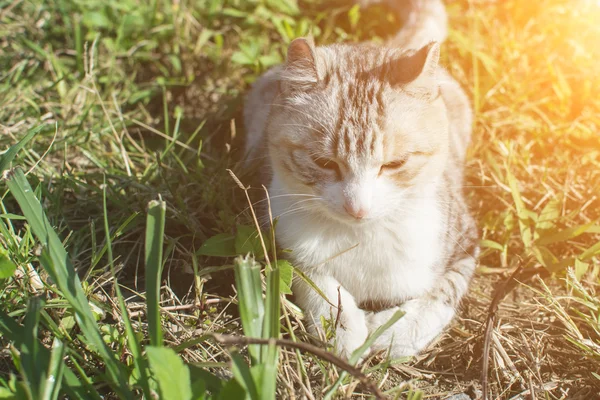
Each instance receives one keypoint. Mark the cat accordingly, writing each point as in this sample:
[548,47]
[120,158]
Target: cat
[365,147]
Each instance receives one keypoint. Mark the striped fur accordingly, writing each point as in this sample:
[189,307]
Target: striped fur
[365,149]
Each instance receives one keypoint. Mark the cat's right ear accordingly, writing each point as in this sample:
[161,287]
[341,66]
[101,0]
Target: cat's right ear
[300,71]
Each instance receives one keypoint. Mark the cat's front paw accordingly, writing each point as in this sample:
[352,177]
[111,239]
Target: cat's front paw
[350,333]
[421,324]
[399,339]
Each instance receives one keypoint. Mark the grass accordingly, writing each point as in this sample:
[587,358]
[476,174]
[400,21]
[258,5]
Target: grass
[129,113]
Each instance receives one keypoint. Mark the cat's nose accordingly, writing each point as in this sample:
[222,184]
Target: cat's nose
[356,211]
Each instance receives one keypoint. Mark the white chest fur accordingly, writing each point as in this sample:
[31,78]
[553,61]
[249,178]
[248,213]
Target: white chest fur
[391,260]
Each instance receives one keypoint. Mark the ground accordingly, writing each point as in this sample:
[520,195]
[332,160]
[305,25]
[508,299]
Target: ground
[147,97]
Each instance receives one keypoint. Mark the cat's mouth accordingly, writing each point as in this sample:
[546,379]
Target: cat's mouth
[346,218]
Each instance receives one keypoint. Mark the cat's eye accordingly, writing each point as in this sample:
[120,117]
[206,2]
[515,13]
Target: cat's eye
[329,165]
[394,165]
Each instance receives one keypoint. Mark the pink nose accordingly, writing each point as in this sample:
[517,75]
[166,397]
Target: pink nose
[356,212]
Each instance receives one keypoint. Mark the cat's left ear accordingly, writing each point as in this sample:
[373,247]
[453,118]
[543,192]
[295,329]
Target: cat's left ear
[417,72]
[300,70]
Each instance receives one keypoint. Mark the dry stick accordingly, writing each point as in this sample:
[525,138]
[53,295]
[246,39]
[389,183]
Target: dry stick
[309,348]
[499,295]
[262,242]
[181,307]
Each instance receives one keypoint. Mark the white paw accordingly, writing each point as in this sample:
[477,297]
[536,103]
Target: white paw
[351,333]
[399,339]
[421,324]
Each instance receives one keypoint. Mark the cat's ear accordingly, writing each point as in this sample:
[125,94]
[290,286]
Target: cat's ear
[300,70]
[416,72]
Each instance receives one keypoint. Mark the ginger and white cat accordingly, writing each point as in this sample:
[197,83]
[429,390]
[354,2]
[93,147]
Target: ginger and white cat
[365,148]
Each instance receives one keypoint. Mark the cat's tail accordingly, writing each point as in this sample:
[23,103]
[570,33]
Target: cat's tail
[423,21]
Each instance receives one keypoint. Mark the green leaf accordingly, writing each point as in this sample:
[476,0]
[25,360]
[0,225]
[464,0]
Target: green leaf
[286,275]
[549,214]
[591,252]
[198,390]
[6,394]
[288,7]
[10,154]
[7,268]
[172,375]
[566,234]
[247,241]
[354,15]
[544,256]
[243,375]
[580,268]
[221,245]
[233,391]
[522,212]
[155,228]
[490,244]
[96,19]
[241,58]
[210,381]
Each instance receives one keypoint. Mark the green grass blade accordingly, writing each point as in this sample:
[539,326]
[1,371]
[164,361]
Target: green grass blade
[134,345]
[356,355]
[250,300]
[155,228]
[7,157]
[566,234]
[271,329]
[72,386]
[57,264]
[243,375]
[56,368]
[32,370]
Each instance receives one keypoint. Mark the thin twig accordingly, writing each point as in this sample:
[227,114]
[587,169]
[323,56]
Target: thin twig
[309,348]
[262,241]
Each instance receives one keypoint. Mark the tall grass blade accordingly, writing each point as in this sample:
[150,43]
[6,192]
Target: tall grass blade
[7,157]
[134,345]
[250,300]
[56,369]
[72,386]
[57,264]
[155,228]
[271,329]
[357,354]
[243,375]
[33,372]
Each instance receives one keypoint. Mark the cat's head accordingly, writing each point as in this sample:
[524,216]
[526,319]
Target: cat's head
[359,126]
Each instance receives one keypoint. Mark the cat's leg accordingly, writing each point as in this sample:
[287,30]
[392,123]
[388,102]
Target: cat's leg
[351,327]
[425,317]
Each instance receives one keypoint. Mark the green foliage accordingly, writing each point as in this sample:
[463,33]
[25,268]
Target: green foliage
[170,372]
[155,228]
[7,267]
